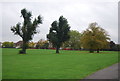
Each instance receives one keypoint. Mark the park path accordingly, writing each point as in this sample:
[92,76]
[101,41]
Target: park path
[107,73]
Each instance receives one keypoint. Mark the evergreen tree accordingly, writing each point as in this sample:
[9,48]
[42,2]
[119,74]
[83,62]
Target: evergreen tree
[58,33]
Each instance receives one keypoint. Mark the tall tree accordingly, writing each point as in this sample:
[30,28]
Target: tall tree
[58,33]
[95,38]
[74,41]
[28,28]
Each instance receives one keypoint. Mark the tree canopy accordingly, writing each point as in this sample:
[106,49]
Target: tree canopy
[94,38]
[58,33]
[27,29]
[74,41]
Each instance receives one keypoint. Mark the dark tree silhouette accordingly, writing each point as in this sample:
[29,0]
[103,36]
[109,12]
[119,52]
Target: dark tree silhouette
[28,28]
[112,46]
[59,32]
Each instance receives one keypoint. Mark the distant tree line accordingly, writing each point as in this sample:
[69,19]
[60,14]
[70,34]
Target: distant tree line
[44,44]
[7,45]
[41,44]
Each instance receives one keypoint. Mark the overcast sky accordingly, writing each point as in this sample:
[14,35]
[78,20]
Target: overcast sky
[79,13]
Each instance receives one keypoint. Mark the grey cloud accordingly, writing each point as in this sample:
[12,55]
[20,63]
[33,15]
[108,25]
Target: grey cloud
[79,14]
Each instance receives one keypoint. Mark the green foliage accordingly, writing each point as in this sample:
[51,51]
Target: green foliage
[74,41]
[46,45]
[27,30]
[95,38]
[117,47]
[45,64]
[58,33]
[8,44]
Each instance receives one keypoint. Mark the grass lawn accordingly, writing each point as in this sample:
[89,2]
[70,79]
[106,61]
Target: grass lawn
[45,64]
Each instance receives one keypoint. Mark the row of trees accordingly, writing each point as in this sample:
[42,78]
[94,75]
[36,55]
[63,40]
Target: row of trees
[8,44]
[41,44]
[57,35]
[73,43]
[93,38]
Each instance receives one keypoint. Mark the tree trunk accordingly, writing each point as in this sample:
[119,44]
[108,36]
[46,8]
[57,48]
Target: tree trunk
[97,50]
[24,46]
[57,49]
[91,51]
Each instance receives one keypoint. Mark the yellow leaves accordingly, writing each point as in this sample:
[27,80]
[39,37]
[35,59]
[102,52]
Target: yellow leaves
[94,37]
[42,42]
[31,44]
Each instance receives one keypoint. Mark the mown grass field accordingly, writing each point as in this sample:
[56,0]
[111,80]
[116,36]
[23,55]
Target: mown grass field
[45,64]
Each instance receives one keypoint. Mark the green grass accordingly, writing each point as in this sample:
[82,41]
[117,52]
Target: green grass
[45,64]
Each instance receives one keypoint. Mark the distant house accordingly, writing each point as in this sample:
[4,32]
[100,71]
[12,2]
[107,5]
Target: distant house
[18,44]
